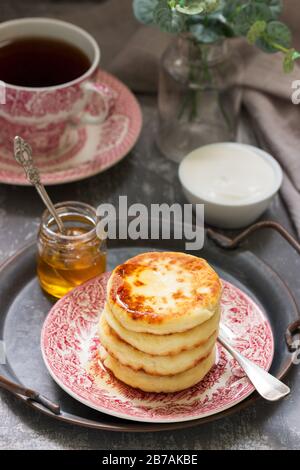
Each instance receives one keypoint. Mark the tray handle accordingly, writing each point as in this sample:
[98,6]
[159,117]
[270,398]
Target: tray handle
[292,330]
[18,389]
[232,243]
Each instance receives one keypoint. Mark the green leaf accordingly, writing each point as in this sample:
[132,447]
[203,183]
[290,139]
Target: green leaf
[277,34]
[276,7]
[143,10]
[231,8]
[168,19]
[216,16]
[195,7]
[209,28]
[289,60]
[249,14]
[295,54]
[256,31]
[288,63]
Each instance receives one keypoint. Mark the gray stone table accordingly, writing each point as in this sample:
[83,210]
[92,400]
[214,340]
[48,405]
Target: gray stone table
[145,176]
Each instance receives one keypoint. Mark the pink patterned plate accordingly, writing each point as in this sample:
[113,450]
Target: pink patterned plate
[90,149]
[70,347]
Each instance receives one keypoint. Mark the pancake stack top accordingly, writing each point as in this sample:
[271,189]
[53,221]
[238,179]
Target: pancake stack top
[160,322]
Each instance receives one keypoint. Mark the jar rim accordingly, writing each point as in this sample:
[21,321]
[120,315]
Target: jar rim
[63,207]
[220,44]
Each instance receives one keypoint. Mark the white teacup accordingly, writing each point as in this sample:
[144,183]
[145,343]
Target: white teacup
[43,116]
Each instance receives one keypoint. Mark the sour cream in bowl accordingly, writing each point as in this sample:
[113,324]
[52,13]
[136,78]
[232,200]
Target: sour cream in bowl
[236,182]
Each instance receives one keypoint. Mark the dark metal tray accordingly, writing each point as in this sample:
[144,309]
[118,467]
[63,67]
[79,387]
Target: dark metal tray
[24,307]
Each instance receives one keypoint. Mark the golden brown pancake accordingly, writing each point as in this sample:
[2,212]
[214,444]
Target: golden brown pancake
[167,344]
[163,292]
[158,384]
[151,363]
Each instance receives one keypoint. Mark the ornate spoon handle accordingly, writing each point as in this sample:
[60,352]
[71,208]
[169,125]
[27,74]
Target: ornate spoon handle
[23,155]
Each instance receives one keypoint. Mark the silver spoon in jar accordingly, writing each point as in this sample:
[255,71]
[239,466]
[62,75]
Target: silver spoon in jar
[23,156]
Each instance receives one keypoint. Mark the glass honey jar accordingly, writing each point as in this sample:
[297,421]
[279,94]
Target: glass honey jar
[66,260]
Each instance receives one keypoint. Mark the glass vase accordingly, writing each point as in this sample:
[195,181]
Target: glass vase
[195,99]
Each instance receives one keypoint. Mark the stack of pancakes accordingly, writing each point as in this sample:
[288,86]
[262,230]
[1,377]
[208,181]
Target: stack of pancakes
[160,321]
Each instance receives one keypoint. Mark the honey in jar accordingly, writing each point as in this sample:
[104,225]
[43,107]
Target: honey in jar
[66,260]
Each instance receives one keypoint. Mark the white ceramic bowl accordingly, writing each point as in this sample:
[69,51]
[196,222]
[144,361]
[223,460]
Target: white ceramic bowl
[238,214]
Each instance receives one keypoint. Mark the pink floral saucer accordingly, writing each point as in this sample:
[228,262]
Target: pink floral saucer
[70,349]
[90,149]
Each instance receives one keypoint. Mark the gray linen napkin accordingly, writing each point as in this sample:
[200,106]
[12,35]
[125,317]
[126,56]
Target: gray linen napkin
[275,119]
